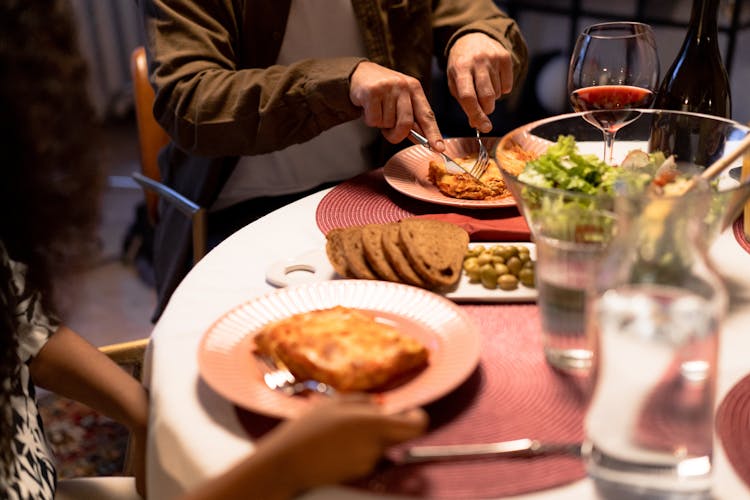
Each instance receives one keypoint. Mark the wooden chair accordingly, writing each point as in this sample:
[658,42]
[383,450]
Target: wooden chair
[151,139]
[130,356]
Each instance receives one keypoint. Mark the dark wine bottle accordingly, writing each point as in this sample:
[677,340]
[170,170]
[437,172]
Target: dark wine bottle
[697,80]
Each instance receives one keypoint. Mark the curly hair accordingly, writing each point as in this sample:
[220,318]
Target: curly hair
[50,180]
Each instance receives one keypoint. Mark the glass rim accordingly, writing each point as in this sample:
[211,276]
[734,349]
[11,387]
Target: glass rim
[526,128]
[644,29]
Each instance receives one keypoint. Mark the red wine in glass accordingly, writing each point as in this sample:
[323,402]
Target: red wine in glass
[614,70]
[614,102]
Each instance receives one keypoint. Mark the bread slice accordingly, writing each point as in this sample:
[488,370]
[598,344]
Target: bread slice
[351,242]
[435,250]
[396,258]
[335,252]
[372,244]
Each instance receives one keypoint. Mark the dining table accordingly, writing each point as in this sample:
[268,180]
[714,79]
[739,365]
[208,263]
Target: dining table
[197,431]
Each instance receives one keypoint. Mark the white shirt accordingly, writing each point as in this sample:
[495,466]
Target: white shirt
[337,153]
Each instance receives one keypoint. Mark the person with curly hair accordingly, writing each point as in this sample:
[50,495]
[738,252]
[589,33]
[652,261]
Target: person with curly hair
[50,186]
[49,196]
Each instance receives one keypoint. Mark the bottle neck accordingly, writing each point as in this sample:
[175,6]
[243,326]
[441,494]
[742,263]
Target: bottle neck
[704,21]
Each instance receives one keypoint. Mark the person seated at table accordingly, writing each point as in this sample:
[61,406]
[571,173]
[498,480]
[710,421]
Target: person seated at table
[266,102]
[49,198]
[48,228]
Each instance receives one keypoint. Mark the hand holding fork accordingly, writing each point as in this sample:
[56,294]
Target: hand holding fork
[476,171]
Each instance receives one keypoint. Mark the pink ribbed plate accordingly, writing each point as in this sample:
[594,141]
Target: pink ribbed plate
[225,353]
[406,172]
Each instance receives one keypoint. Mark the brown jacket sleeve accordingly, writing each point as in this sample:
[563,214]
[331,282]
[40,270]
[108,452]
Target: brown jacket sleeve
[455,18]
[216,93]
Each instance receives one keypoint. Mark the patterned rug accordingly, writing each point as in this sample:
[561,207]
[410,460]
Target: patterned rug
[84,442]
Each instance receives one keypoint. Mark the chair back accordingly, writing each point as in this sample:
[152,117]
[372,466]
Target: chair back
[151,136]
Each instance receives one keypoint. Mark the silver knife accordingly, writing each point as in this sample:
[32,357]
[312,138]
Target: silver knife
[516,448]
[416,138]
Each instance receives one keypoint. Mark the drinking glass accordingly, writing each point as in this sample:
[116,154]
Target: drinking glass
[614,67]
[644,308]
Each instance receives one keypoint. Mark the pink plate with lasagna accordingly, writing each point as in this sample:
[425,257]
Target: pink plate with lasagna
[227,364]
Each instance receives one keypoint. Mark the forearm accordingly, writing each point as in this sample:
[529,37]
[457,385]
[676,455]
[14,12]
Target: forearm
[217,95]
[260,475]
[70,366]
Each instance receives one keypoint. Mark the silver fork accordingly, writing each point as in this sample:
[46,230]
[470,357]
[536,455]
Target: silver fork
[416,138]
[483,160]
[277,377]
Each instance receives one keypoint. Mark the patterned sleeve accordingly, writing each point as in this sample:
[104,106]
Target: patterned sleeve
[35,325]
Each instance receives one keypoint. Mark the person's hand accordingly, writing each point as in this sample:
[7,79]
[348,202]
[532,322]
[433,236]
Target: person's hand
[394,103]
[480,71]
[341,439]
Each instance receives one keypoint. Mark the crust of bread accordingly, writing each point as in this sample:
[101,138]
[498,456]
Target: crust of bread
[351,241]
[435,250]
[335,252]
[343,347]
[372,244]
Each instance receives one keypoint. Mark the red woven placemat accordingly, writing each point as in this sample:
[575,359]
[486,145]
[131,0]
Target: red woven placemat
[513,394]
[739,233]
[733,427]
[368,199]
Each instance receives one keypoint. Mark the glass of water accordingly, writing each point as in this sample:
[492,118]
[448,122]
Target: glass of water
[655,313]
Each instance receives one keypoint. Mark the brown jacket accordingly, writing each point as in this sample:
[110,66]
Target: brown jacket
[220,96]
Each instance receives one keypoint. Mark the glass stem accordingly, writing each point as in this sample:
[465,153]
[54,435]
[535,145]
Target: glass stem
[609,142]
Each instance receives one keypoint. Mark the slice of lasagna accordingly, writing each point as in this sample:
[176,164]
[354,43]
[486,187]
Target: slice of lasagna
[343,347]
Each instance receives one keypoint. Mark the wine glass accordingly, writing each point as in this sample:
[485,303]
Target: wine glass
[615,68]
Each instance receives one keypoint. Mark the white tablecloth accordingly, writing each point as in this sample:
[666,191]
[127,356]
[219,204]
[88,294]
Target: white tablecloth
[195,434]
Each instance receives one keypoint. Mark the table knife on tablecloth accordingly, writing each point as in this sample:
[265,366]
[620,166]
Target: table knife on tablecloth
[515,448]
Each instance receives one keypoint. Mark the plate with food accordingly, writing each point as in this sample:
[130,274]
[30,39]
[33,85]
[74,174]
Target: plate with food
[404,344]
[421,174]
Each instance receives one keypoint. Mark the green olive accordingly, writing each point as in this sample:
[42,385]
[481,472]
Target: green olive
[474,274]
[488,276]
[471,262]
[526,275]
[524,257]
[507,282]
[496,259]
[505,252]
[497,250]
[501,269]
[484,258]
[514,265]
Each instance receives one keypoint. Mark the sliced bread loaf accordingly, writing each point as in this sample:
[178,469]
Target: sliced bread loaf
[372,244]
[335,252]
[434,249]
[351,242]
[396,258]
